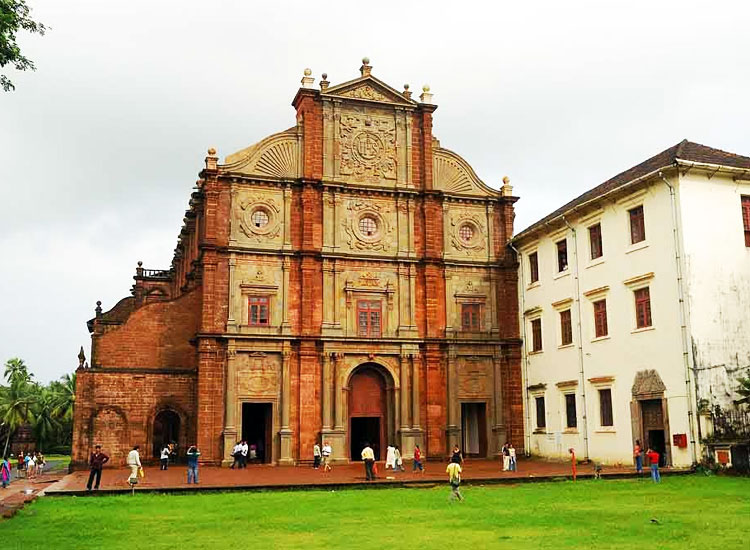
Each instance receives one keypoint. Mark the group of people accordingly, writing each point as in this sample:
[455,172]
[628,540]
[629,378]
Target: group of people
[29,465]
[168,451]
[240,452]
[509,457]
[322,456]
[653,459]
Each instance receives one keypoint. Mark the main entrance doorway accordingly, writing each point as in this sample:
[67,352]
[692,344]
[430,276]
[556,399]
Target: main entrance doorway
[474,429]
[166,431]
[256,430]
[653,427]
[367,411]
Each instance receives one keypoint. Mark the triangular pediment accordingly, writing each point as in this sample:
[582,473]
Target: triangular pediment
[369,88]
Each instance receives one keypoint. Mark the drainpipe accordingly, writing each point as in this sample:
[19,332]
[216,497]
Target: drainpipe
[577,291]
[683,316]
[527,418]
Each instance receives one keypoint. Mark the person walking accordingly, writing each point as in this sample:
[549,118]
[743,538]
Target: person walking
[653,459]
[368,456]
[327,452]
[97,460]
[134,462]
[506,457]
[316,456]
[638,456]
[164,458]
[21,465]
[454,478]
[417,464]
[390,457]
[5,468]
[236,456]
[512,455]
[244,450]
[572,452]
[30,466]
[192,464]
[397,460]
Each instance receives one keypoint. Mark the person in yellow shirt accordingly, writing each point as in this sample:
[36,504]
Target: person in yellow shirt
[454,478]
[368,456]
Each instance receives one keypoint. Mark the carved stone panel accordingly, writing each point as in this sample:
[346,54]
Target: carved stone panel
[258,374]
[466,231]
[474,377]
[367,145]
[258,217]
[369,225]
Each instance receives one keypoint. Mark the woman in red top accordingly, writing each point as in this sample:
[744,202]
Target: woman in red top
[653,458]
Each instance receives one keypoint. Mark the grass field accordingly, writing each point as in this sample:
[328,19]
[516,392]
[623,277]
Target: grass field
[692,512]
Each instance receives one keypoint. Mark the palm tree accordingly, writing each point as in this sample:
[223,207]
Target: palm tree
[16,409]
[64,397]
[44,422]
[16,371]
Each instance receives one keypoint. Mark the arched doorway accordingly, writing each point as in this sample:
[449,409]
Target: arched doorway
[166,430]
[368,410]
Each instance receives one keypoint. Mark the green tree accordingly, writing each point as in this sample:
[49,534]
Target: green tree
[46,427]
[16,408]
[16,371]
[15,16]
[65,397]
[744,390]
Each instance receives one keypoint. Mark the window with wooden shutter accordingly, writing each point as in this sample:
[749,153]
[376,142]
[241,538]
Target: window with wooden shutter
[533,267]
[595,241]
[637,225]
[470,317]
[605,407]
[258,312]
[600,318]
[541,419]
[562,255]
[536,335]
[566,328]
[369,318]
[746,217]
[571,418]
[642,308]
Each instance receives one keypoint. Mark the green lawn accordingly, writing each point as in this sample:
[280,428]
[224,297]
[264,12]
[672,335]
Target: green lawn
[692,512]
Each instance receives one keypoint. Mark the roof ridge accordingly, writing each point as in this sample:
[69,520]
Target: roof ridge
[680,147]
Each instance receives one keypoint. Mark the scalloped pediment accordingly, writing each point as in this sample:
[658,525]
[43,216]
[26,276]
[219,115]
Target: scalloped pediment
[277,156]
[452,174]
[369,88]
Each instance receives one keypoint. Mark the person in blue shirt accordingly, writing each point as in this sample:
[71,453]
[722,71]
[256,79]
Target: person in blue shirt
[192,463]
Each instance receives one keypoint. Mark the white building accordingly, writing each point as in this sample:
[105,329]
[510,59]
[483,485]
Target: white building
[635,301]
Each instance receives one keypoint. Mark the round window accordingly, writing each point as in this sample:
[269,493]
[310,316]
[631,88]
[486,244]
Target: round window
[466,232]
[368,226]
[259,218]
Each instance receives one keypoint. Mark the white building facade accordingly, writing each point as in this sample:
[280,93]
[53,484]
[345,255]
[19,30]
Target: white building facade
[635,301]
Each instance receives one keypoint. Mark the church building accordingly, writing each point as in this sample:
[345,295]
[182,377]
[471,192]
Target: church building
[345,280]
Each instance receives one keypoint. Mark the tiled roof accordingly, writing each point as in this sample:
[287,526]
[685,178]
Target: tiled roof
[685,151]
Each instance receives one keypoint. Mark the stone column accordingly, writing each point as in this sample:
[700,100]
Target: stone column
[285,455]
[230,406]
[286,266]
[403,367]
[453,429]
[498,429]
[415,359]
[326,391]
[231,323]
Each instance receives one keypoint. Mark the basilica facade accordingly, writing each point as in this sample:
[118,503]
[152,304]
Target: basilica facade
[345,280]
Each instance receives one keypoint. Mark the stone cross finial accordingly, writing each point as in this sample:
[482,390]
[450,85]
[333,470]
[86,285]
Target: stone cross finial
[81,358]
[366,68]
[507,189]
[426,96]
[98,309]
[307,80]
[324,82]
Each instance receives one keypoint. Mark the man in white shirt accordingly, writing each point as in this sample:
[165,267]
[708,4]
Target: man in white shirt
[368,456]
[164,457]
[243,453]
[327,451]
[134,461]
[236,455]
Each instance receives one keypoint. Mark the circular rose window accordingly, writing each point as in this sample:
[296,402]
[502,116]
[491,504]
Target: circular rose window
[368,226]
[466,232]
[259,218]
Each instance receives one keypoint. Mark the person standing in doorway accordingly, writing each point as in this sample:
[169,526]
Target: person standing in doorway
[316,456]
[572,452]
[327,452]
[134,462]
[638,456]
[97,460]
[512,455]
[5,468]
[192,464]
[164,458]
[653,459]
[368,456]
[454,478]
[417,464]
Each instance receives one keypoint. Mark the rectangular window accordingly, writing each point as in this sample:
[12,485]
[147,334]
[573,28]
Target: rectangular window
[368,318]
[746,217]
[533,267]
[470,317]
[600,318]
[642,308]
[258,312]
[562,255]
[605,407]
[595,241]
[571,418]
[541,420]
[637,225]
[566,328]
[536,335]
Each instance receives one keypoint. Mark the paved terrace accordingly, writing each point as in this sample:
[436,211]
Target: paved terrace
[114,480]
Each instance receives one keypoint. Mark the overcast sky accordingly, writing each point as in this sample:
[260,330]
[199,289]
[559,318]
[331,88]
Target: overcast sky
[99,148]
